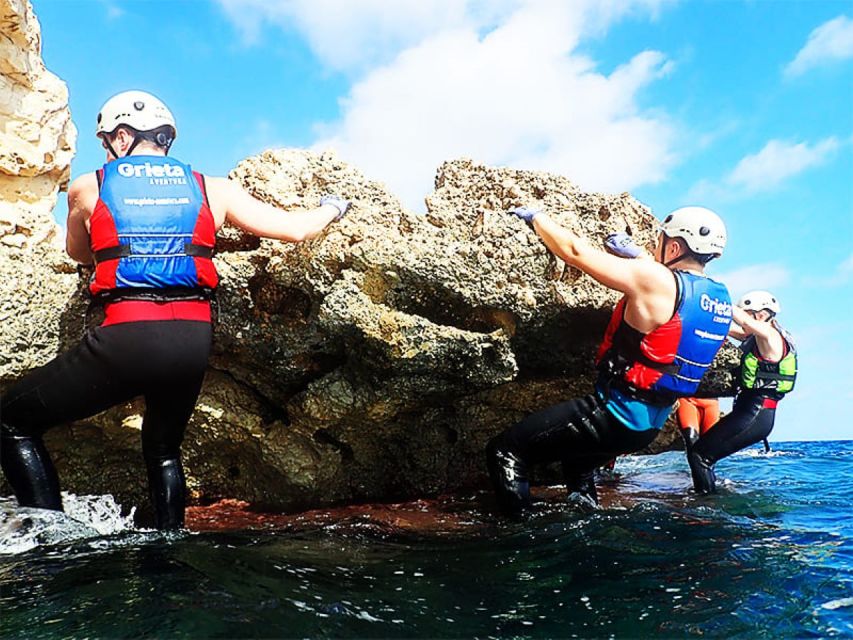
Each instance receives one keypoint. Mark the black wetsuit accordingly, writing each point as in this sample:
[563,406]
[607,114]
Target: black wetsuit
[163,360]
[750,422]
[582,434]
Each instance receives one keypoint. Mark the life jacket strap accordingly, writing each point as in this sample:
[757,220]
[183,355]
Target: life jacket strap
[112,253]
[154,294]
[125,250]
[648,396]
[198,250]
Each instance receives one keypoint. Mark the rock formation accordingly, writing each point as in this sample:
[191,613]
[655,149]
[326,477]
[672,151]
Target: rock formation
[36,146]
[375,361]
[371,363]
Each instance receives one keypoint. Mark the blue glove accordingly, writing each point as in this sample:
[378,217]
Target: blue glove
[338,203]
[525,214]
[622,245]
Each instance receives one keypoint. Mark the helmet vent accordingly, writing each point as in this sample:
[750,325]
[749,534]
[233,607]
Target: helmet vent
[704,231]
[139,105]
[668,219]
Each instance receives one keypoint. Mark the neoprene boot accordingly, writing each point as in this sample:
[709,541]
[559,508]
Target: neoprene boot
[690,436]
[581,484]
[702,470]
[509,478]
[29,470]
[167,486]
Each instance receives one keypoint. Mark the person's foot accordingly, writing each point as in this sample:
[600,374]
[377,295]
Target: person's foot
[509,480]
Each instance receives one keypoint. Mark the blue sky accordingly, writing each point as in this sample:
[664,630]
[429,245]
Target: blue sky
[745,107]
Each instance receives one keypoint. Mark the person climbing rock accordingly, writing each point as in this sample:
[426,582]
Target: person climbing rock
[147,222]
[662,337]
[768,371]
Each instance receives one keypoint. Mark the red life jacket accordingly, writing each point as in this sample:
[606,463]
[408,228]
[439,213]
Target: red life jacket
[669,361]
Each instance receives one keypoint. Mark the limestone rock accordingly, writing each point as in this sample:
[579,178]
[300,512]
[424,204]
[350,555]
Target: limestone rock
[375,361]
[36,146]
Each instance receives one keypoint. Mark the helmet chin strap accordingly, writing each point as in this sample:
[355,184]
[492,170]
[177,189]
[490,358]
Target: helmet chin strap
[136,141]
[663,254]
[108,144]
[109,147]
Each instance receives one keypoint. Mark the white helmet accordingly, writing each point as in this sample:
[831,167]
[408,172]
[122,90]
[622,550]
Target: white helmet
[136,109]
[758,300]
[702,229]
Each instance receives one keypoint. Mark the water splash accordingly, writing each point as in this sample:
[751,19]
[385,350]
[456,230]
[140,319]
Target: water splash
[24,528]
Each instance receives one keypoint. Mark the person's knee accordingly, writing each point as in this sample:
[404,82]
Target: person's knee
[17,430]
[156,448]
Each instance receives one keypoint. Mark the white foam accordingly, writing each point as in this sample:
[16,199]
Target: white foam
[838,604]
[24,528]
[759,453]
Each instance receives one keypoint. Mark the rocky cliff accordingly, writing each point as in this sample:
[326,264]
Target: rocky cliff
[371,363]
[36,147]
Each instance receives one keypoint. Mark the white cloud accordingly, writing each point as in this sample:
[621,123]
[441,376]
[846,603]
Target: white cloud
[498,80]
[777,161]
[517,95]
[768,276]
[829,42]
[351,35]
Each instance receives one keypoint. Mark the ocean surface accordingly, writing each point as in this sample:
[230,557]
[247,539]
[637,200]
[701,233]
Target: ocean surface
[771,556]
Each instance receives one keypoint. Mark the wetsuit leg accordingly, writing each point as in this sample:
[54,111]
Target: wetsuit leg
[29,470]
[75,385]
[748,423]
[509,476]
[167,412]
[169,403]
[580,433]
[710,416]
[688,422]
[164,360]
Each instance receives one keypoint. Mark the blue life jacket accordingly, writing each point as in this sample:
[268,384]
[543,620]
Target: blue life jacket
[668,362]
[152,232]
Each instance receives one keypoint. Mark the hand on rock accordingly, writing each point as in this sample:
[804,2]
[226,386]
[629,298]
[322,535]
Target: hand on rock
[525,213]
[338,203]
[621,244]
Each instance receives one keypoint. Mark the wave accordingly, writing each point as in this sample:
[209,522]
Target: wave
[85,517]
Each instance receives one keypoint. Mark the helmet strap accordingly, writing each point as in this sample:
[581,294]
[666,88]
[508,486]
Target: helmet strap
[663,254]
[109,147]
[136,140]
[674,260]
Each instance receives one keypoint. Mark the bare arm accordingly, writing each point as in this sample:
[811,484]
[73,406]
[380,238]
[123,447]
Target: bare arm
[631,277]
[649,286]
[231,202]
[82,197]
[770,343]
[736,332]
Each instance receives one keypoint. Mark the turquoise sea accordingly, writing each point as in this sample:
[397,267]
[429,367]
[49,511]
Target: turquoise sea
[771,556]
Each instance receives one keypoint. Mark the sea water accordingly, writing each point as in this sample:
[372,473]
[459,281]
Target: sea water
[770,556]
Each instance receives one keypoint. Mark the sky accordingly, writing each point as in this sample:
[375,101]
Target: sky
[745,107]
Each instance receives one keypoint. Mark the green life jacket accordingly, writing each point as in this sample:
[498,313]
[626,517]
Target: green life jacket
[758,374]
